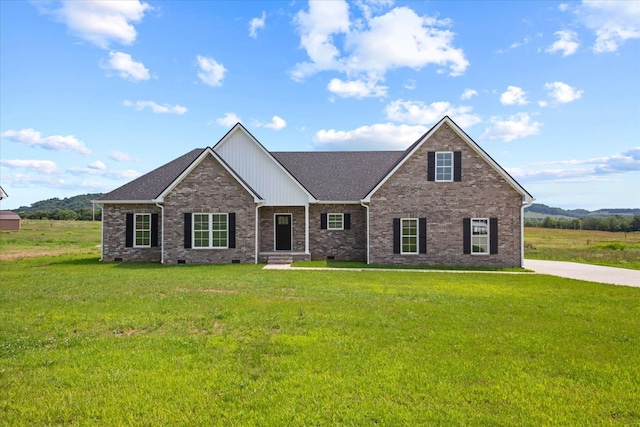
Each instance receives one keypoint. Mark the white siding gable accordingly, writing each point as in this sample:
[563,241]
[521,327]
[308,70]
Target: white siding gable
[260,170]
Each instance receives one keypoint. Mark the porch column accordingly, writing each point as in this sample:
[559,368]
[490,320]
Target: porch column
[306,228]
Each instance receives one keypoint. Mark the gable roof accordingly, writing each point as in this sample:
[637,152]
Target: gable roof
[150,185]
[338,176]
[528,198]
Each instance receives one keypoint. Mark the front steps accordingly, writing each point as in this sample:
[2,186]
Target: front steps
[283,257]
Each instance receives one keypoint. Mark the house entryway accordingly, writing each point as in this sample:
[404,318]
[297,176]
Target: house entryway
[283,232]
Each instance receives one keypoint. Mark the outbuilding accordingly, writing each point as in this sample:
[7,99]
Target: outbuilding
[9,221]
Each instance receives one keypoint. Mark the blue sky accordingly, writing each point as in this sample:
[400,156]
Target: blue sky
[93,94]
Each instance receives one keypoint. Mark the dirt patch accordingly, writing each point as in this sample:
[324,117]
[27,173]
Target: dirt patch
[30,253]
[219,291]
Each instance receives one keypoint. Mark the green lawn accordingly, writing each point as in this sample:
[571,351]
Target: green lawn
[586,246]
[88,343]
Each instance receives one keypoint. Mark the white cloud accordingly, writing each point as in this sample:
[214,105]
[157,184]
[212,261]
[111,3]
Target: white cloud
[356,88]
[98,168]
[562,92]
[211,72]
[419,113]
[372,45]
[516,126]
[229,119]
[54,142]
[383,136]
[411,84]
[102,22]
[580,170]
[119,156]
[276,123]
[43,166]
[156,108]
[567,43]
[256,24]
[126,67]
[563,7]
[614,22]
[28,181]
[514,96]
[468,94]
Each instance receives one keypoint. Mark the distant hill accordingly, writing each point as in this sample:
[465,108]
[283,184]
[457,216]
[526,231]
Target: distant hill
[74,203]
[538,210]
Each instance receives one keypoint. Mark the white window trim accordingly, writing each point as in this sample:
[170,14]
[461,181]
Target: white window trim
[135,230]
[436,166]
[488,236]
[402,252]
[341,221]
[210,230]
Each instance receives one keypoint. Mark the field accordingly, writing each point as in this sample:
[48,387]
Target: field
[591,247]
[88,343]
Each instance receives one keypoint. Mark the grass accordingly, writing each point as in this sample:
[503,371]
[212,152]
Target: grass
[585,246]
[45,237]
[82,342]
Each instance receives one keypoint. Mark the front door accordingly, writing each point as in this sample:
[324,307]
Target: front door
[283,232]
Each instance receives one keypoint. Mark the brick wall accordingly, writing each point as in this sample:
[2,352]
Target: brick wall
[209,188]
[483,193]
[341,244]
[267,227]
[114,234]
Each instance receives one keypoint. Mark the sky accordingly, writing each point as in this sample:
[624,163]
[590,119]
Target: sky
[96,93]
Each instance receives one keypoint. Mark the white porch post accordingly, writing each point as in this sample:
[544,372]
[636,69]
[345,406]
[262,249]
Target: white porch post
[306,228]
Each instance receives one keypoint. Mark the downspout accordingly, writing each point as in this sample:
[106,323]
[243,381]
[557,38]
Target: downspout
[306,228]
[367,208]
[525,204]
[101,230]
[258,206]
[162,231]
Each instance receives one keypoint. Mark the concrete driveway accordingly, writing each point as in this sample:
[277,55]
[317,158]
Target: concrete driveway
[588,272]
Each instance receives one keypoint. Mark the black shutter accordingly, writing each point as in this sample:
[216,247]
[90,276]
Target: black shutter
[187,230]
[232,230]
[457,166]
[128,240]
[431,166]
[154,230]
[466,235]
[323,221]
[396,235]
[493,235]
[422,235]
[347,221]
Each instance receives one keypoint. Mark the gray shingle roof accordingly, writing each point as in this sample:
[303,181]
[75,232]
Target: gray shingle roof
[339,175]
[150,185]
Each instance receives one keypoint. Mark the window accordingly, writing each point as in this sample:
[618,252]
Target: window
[409,236]
[142,231]
[444,166]
[479,236]
[210,230]
[335,221]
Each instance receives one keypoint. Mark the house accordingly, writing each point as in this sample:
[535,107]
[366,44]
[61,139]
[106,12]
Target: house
[9,221]
[442,201]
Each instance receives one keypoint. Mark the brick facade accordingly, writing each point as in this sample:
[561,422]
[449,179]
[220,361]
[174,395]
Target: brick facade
[348,244]
[114,234]
[209,188]
[482,193]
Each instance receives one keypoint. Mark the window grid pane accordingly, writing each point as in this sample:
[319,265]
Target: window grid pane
[479,236]
[143,230]
[444,166]
[201,230]
[334,221]
[409,236]
[219,230]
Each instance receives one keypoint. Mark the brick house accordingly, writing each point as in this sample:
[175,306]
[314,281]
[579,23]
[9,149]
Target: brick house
[443,201]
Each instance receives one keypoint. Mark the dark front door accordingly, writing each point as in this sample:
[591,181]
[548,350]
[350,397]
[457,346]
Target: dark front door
[283,232]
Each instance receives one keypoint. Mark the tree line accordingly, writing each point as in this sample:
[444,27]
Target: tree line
[610,223]
[80,214]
